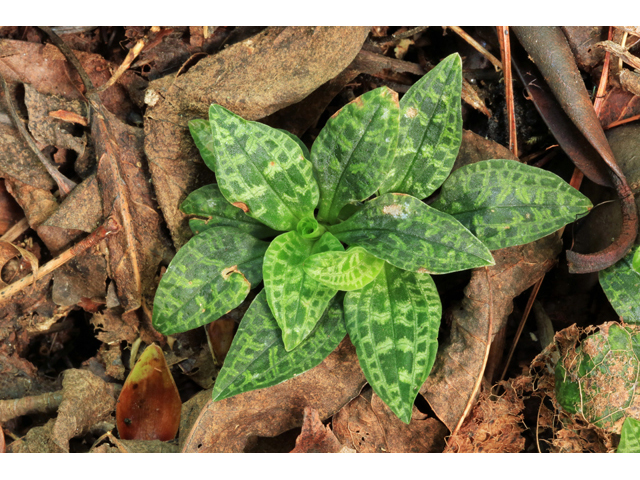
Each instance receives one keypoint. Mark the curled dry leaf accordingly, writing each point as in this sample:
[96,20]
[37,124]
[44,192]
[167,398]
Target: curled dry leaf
[367,425]
[149,405]
[87,399]
[225,426]
[460,357]
[316,438]
[254,78]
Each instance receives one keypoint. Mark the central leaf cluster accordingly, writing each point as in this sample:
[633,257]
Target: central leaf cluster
[341,238]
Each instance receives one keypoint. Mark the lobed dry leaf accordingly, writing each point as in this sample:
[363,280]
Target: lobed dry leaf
[226,425]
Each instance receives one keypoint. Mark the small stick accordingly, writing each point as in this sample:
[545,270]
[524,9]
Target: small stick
[45,403]
[109,227]
[131,56]
[602,86]
[621,52]
[396,37]
[15,231]
[622,122]
[476,387]
[496,63]
[64,184]
[505,53]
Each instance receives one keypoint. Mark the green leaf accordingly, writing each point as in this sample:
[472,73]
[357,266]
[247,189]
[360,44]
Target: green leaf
[350,270]
[621,284]
[393,323]
[302,146]
[630,436]
[430,131]
[407,233]
[296,300]
[208,202]
[210,275]
[354,151]
[201,133]
[262,170]
[635,264]
[599,378]
[257,357]
[506,203]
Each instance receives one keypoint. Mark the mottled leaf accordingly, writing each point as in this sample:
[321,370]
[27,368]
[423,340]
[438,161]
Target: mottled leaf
[211,274]
[407,233]
[506,203]
[302,146]
[201,133]
[258,359]
[149,404]
[209,203]
[354,151]
[393,323]
[630,436]
[598,379]
[262,168]
[621,284]
[635,263]
[350,270]
[430,131]
[296,300]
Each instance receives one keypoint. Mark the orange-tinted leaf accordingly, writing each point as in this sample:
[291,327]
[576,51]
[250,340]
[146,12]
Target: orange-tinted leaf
[316,438]
[149,404]
[221,334]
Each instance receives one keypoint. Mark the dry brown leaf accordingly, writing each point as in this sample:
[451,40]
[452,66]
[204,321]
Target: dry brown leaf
[493,426]
[87,399]
[316,438]
[582,41]
[460,357]
[367,425]
[3,447]
[190,412]
[226,425]
[81,209]
[618,105]
[475,148]
[84,276]
[19,378]
[254,78]
[10,211]
[37,440]
[37,203]
[113,328]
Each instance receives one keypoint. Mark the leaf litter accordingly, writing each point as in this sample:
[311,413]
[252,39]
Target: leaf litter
[103,296]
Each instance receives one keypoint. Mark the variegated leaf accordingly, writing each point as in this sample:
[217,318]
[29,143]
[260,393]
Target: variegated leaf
[430,131]
[208,203]
[407,233]
[393,323]
[506,203]
[621,285]
[354,151]
[350,270]
[201,133]
[302,146]
[257,357]
[210,275]
[296,300]
[262,170]
[630,436]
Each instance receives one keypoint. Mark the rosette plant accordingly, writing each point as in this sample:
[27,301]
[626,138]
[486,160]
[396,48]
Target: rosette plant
[341,238]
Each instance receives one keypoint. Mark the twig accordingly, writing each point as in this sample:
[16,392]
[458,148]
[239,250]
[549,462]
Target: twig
[621,52]
[622,122]
[396,37]
[496,63]
[45,403]
[15,231]
[476,387]
[110,226]
[602,86]
[64,184]
[128,60]
[523,320]
[505,53]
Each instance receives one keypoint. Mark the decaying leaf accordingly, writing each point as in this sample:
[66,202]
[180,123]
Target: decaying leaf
[367,425]
[316,438]
[493,426]
[460,357]
[225,426]
[254,78]
[87,399]
[149,405]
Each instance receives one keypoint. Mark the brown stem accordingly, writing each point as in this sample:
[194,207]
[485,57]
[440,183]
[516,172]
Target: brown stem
[496,63]
[110,226]
[505,52]
[45,403]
